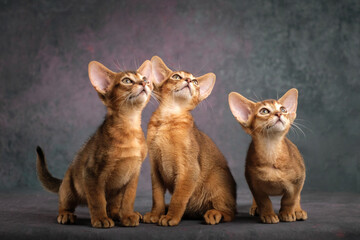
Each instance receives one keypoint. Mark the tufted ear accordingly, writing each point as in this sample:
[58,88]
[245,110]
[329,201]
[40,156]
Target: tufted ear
[241,108]
[160,71]
[145,69]
[206,83]
[100,77]
[289,100]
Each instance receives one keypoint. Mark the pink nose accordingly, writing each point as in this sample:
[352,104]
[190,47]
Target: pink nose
[143,83]
[188,80]
[278,114]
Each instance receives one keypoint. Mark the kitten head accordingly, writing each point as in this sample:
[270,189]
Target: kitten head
[180,88]
[128,89]
[266,118]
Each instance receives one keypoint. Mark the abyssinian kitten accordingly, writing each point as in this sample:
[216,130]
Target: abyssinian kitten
[183,159]
[104,174]
[274,165]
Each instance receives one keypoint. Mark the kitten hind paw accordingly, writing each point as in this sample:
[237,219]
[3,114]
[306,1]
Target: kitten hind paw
[301,215]
[254,211]
[66,218]
[213,217]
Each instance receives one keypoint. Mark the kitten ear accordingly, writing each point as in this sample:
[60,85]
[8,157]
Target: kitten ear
[100,76]
[289,100]
[145,69]
[241,108]
[160,71]
[206,83]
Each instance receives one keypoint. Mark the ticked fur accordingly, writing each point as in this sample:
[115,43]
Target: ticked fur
[183,159]
[105,172]
[274,165]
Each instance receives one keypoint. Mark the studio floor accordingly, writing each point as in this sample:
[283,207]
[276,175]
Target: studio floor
[32,215]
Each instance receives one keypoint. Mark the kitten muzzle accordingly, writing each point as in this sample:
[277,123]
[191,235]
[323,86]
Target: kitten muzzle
[143,90]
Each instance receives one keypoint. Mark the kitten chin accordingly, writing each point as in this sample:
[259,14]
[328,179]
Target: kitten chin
[274,165]
[105,172]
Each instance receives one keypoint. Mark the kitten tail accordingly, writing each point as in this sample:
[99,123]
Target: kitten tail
[49,182]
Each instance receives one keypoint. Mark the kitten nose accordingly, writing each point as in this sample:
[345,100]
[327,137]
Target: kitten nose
[143,83]
[278,114]
[188,80]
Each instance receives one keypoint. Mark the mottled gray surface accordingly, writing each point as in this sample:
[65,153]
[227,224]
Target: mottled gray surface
[258,48]
[336,218]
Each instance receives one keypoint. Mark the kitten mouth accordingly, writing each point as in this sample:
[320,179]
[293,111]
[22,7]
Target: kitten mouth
[278,121]
[186,86]
[135,96]
[183,89]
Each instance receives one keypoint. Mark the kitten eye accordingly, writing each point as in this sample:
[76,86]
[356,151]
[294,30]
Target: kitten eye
[176,77]
[264,111]
[195,82]
[127,81]
[283,109]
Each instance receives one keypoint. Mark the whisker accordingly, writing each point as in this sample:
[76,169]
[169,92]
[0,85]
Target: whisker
[117,65]
[259,99]
[304,126]
[253,99]
[299,129]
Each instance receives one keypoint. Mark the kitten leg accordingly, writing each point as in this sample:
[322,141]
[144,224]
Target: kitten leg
[114,204]
[67,204]
[95,195]
[184,188]
[299,212]
[158,195]
[254,209]
[223,199]
[288,201]
[129,218]
[266,211]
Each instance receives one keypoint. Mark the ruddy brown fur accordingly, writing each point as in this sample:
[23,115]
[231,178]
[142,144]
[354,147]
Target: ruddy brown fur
[274,165]
[183,159]
[105,172]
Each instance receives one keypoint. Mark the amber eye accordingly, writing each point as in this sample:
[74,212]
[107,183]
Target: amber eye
[176,77]
[283,109]
[127,81]
[264,111]
[195,82]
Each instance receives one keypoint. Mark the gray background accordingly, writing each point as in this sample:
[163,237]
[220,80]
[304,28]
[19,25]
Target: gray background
[257,48]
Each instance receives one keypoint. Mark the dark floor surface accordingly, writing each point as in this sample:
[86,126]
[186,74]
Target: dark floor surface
[32,215]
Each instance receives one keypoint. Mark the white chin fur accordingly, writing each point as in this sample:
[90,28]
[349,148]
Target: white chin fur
[185,93]
[278,127]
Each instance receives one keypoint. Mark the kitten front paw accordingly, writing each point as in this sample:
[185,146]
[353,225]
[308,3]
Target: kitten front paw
[131,220]
[66,218]
[104,222]
[301,215]
[212,217]
[286,216]
[254,211]
[151,217]
[166,220]
[269,218]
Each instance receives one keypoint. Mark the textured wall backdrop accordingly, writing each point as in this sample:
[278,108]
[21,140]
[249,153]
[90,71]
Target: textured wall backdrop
[257,48]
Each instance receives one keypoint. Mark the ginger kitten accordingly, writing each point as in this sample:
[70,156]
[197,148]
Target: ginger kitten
[104,174]
[274,165]
[183,159]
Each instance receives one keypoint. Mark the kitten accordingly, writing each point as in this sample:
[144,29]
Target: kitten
[183,159]
[274,165]
[104,174]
